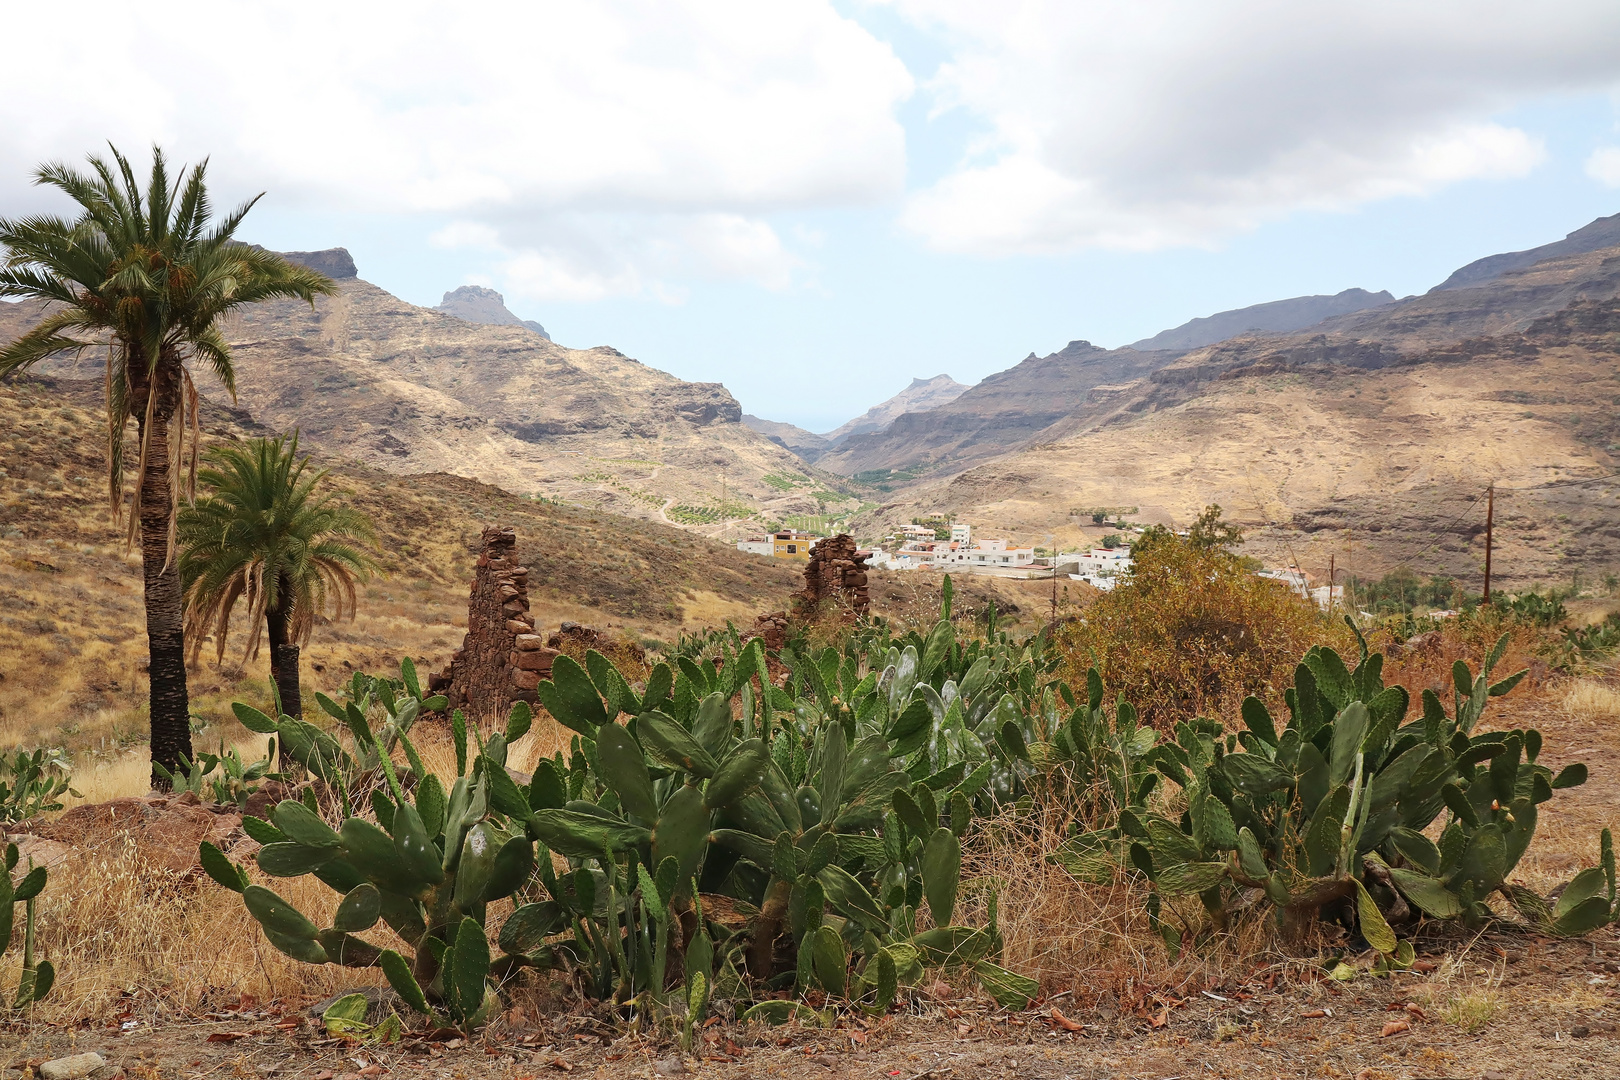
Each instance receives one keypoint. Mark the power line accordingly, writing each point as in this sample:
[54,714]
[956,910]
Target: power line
[1473,505]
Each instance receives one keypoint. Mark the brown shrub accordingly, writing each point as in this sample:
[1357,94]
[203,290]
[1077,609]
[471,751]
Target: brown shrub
[1094,941]
[1194,632]
[1424,662]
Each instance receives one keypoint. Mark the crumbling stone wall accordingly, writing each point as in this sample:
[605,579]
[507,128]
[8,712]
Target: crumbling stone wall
[773,628]
[836,571]
[502,659]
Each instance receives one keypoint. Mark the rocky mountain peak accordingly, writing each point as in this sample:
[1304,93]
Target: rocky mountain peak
[336,263]
[478,304]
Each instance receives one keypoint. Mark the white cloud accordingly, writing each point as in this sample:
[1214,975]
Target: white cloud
[1151,124]
[1604,166]
[508,117]
[584,257]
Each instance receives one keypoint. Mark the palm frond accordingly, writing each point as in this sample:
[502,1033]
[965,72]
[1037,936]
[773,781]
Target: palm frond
[43,341]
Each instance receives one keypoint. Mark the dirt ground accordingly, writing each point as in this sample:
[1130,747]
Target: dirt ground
[1551,1013]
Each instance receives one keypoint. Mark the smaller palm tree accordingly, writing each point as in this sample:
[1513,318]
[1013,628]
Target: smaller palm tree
[262,535]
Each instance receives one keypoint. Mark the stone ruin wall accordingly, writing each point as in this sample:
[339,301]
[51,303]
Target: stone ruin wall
[501,659]
[836,571]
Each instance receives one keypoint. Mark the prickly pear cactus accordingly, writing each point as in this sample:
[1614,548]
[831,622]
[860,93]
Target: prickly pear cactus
[1331,810]
[37,976]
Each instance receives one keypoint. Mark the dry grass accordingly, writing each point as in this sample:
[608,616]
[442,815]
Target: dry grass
[1092,942]
[1467,1000]
[123,937]
[1591,702]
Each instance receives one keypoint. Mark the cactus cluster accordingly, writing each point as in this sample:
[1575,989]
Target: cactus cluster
[37,977]
[705,786]
[32,783]
[309,749]
[788,799]
[427,867]
[223,777]
[1329,811]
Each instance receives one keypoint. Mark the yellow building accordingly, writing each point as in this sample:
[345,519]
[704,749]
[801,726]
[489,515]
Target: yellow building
[792,544]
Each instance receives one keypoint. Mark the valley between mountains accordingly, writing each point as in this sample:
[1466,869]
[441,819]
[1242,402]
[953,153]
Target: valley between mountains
[1364,439]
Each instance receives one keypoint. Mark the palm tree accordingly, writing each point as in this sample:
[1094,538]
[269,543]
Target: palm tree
[264,536]
[147,276]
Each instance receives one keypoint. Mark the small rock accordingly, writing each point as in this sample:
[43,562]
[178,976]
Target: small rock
[1493,1075]
[1580,1031]
[669,1067]
[76,1067]
[826,1060]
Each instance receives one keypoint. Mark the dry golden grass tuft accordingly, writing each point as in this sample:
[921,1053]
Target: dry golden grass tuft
[1467,997]
[122,936]
[1590,701]
[1092,942]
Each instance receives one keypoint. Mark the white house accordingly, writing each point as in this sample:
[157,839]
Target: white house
[1102,567]
[1293,577]
[1327,596]
[757,545]
[907,558]
[961,533]
[992,553]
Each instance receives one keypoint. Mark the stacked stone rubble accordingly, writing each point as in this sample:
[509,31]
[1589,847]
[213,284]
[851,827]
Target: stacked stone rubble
[836,571]
[576,639]
[502,659]
[773,628]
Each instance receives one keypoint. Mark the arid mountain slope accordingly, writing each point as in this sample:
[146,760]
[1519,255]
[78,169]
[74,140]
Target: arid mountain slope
[995,416]
[1372,467]
[923,395]
[1042,400]
[1504,304]
[806,444]
[369,378]
[1602,233]
[1276,316]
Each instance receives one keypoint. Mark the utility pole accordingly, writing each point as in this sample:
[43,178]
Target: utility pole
[1490,514]
[1053,541]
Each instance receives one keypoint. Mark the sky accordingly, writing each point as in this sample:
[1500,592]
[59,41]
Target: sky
[814,202]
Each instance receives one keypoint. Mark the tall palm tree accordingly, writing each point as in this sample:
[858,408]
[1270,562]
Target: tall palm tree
[263,536]
[146,276]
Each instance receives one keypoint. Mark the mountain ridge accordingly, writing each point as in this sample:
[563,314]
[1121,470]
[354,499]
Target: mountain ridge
[1600,233]
[1274,316]
[369,378]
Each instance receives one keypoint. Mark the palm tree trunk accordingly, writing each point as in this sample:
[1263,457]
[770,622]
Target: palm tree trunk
[170,703]
[284,662]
